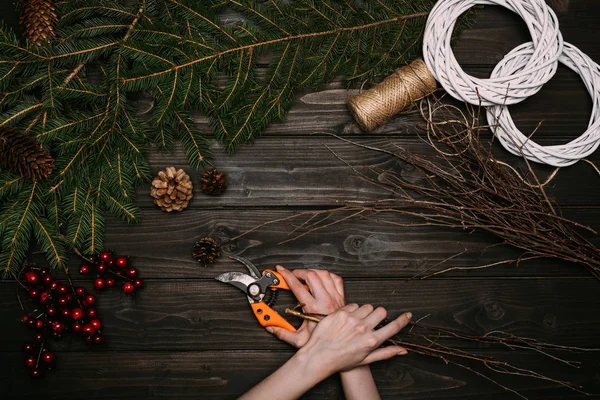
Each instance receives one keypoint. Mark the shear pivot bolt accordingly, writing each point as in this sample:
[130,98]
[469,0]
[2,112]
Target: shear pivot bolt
[254,290]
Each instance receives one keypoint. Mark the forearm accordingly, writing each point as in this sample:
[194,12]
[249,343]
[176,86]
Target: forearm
[359,384]
[290,381]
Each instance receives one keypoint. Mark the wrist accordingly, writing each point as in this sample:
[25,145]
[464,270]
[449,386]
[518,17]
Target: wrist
[314,365]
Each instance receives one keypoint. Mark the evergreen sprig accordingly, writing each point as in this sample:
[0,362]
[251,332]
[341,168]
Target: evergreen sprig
[77,96]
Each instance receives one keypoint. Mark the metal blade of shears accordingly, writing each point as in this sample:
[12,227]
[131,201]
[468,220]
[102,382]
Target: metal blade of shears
[237,279]
[251,267]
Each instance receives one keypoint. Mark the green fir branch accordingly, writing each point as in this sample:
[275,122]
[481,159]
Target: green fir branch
[77,95]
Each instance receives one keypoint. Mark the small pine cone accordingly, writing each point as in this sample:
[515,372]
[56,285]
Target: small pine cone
[213,182]
[38,19]
[23,155]
[172,189]
[207,251]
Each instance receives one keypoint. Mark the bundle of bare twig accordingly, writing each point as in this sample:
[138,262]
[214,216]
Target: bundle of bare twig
[442,343]
[462,185]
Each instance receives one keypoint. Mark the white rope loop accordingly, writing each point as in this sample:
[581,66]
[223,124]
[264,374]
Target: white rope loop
[519,75]
[533,72]
[557,155]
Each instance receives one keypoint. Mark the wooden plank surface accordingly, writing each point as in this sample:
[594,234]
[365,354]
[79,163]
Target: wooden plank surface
[209,315]
[226,375]
[358,249]
[186,335]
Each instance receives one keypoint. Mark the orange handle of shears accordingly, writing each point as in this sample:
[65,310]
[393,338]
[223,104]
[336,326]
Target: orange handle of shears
[266,316]
[282,283]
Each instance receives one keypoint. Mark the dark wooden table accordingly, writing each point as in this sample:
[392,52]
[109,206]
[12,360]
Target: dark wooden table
[188,336]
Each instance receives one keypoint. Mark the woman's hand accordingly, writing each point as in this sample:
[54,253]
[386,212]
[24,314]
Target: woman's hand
[325,297]
[346,339]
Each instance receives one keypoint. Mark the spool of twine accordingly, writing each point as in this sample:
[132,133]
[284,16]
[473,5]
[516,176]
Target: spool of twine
[405,86]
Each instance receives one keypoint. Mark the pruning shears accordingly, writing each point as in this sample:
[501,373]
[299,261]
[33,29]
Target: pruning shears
[261,290]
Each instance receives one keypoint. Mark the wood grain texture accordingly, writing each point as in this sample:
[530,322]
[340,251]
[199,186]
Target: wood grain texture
[210,315]
[161,246]
[226,375]
[187,336]
[299,171]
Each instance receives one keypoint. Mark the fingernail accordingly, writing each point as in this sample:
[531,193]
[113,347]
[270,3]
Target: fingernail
[270,330]
[408,315]
[279,268]
[402,353]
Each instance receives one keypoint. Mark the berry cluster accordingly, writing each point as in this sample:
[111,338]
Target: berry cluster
[110,268]
[59,308]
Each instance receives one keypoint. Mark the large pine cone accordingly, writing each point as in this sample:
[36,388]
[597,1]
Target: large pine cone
[23,155]
[206,251]
[213,182]
[38,19]
[172,189]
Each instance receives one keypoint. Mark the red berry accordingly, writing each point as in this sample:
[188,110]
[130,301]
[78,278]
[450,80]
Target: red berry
[44,271]
[88,339]
[35,373]
[62,289]
[39,324]
[47,279]
[48,357]
[58,326]
[90,299]
[110,282]
[62,300]
[51,310]
[105,255]
[69,297]
[95,323]
[31,277]
[88,330]
[110,263]
[97,338]
[80,290]
[128,287]
[91,312]
[131,272]
[121,262]
[77,326]
[54,285]
[30,361]
[38,337]
[65,312]
[84,269]
[137,283]
[101,267]
[34,293]
[25,318]
[99,283]
[45,297]
[76,313]
[31,323]
[28,347]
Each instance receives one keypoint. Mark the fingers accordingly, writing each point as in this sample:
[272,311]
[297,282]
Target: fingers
[383,354]
[314,282]
[350,307]
[363,311]
[328,283]
[376,317]
[293,338]
[339,285]
[296,287]
[393,327]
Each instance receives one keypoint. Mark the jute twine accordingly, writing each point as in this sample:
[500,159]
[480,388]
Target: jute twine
[405,86]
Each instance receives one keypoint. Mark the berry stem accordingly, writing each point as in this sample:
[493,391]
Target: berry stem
[80,254]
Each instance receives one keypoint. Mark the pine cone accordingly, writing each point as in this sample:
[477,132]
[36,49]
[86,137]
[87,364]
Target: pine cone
[172,189]
[23,155]
[38,19]
[207,251]
[213,182]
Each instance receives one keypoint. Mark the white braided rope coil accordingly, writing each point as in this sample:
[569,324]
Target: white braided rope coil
[519,75]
